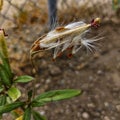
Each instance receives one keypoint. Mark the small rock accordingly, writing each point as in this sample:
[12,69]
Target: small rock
[96,114]
[42,112]
[91,105]
[85,115]
[67,111]
[100,72]
[106,118]
[62,81]
[116,79]
[91,78]
[103,112]
[37,85]
[118,107]
[106,104]
[116,89]
[48,81]
[82,65]
[43,64]
[54,70]
[27,31]
[85,86]
[78,114]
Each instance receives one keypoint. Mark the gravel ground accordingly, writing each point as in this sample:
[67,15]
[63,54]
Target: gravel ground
[98,76]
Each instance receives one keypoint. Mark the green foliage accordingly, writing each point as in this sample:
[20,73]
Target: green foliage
[4,76]
[54,95]
[10,107]
[116,4]
[14,93]
[23,79]
[27,114]
[3,46]
[1,88]
[2,100]
[5,70]
[37,116]
[10,94]
[5,63]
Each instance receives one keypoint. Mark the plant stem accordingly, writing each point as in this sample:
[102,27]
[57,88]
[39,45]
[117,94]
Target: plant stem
[35,81]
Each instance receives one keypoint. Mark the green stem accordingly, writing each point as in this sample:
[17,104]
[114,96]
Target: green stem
[35,81]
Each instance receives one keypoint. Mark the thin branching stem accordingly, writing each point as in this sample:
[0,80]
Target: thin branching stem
[34,72]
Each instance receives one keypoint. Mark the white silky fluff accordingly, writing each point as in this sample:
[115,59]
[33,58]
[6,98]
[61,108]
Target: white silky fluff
[76,41]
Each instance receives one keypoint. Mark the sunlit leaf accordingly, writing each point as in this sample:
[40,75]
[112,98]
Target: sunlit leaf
[10,107]
[20,118]
[56,95]
[14,93]
[23,79]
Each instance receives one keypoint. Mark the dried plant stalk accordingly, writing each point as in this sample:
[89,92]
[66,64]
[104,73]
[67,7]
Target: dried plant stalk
[1,4]
[71,36]
[3,47]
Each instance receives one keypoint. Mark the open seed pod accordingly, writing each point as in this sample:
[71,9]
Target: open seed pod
[70,37]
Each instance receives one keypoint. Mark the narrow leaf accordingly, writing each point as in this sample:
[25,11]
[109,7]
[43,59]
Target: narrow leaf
[24,79]
[5,63]
[20,118]
[37,116]
[2,100]
[4,54]
[27,114]
[56,95]
[4,76]
[10,107]
[14,93]
[1,88]
[37,104]
[3,46]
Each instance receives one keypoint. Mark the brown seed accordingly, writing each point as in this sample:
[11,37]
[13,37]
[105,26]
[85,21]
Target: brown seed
[60,29]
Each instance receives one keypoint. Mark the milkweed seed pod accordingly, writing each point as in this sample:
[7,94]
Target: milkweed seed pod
[71,36]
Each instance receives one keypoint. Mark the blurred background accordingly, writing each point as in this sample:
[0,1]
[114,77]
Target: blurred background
[97,75]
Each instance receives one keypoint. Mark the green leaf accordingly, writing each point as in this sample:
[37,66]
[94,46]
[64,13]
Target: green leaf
[37,116]
[56,95]
[23,79]
[37,104]
[14,93]
[116,4]
[1,88]
[27,114]
[2,100]
[4,76]
[5,63]
[3,46]
[10,107]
